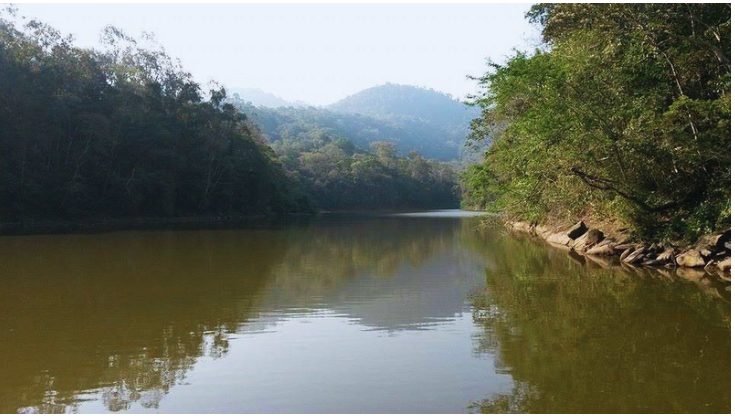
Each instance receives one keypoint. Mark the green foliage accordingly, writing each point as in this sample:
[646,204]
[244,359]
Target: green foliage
[352,162]
[339,175]
[122,132]
[626,116]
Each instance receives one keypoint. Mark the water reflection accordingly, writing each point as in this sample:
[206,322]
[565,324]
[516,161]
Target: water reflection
[349,313]
[599,340]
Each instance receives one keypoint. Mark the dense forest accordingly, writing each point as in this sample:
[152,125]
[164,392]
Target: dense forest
[122,132]
[125,132]
[622,115]
[340,161]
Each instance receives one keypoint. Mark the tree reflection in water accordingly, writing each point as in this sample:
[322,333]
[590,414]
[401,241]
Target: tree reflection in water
[580,338]
[124,317]
[127,315]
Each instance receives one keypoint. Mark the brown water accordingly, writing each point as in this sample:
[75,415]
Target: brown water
[348,313]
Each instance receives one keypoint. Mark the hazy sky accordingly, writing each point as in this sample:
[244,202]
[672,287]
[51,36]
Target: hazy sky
[314,53]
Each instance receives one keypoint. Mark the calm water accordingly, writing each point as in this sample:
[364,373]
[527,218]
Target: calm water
[347,313]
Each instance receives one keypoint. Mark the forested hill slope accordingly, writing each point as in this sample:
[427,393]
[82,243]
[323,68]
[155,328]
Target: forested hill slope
[392,101]
[625,115]
[122,132]
[349,161]
[410,106]
[293,124]
[413,118]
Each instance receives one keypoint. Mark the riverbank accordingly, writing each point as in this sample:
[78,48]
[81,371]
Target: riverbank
[711,253]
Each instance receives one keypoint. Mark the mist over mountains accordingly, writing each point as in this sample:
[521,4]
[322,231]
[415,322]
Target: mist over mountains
[414,118]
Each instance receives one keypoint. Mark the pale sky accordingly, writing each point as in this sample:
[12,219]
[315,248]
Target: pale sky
[314,53]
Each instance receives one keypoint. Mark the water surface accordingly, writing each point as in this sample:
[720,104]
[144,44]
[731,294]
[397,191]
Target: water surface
[351,313]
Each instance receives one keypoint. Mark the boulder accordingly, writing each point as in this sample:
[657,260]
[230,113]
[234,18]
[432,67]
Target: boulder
[588,239]
[602,250]
[577,230]
[705,253]
[664,259]
[635,256]
[623,247]
[691,258]
[716,242]
[667,256]
[559,239]
[626,253]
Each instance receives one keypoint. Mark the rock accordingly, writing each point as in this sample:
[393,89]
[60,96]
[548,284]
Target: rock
[594,236]
[589,239]
[626,253]
[602,250]
[623,247]
[716,242]
[577,230]
[663,259]
[691,258]
[724,265]
[705,253]
[667,256]
[560,239]
[723,240]
[635,256]
[651,263]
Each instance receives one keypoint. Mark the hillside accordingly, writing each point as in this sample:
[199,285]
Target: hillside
[261,98]
[394,101]
[413,118]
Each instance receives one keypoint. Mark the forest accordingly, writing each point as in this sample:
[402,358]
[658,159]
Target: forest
[622,115]
[126,132]
[341,162]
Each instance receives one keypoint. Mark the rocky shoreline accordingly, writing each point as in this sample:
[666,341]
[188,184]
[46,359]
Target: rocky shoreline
[711,253]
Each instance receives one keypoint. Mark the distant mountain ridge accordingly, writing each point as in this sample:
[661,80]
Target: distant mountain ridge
[260,98]
[396,101]
[414,118]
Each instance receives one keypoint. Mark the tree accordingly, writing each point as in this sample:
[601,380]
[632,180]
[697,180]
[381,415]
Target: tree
[625,116]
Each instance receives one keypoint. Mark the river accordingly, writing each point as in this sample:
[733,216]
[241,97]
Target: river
[350,313]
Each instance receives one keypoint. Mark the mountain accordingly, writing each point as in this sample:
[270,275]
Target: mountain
[405,101]
[441,121]
[261,98]
[414,118]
